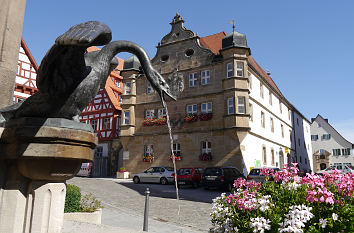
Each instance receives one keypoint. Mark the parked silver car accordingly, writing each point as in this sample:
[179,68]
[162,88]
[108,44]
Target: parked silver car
[255,174]
[162,175]
[343,168]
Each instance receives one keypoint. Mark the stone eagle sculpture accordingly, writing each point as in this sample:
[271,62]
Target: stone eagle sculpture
[68,78]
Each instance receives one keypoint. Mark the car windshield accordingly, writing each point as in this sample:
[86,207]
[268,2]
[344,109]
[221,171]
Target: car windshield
[170,169]
[330,168]
[212,171]
[255,172]
[184,171]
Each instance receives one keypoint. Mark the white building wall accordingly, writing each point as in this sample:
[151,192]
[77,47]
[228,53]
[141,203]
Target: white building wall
[303,146]
[320,127]
[263,136]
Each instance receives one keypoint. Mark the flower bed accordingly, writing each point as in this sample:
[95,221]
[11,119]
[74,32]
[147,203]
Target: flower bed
[205,116]
[290,204]
[148,158]
[191,118]
[206,157]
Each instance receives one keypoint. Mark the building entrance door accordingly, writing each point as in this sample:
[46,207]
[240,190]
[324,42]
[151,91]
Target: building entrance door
[100,163]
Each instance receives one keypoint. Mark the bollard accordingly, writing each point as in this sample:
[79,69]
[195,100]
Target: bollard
[146,211]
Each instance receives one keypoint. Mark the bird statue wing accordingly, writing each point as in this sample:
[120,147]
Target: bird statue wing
[63,67]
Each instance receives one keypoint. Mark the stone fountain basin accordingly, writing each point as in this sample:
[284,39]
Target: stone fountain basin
[47,148]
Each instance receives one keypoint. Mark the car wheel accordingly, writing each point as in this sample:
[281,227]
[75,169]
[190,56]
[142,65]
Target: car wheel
[136,180]
[163,181]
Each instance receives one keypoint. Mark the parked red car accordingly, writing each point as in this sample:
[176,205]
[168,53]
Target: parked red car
[189,176]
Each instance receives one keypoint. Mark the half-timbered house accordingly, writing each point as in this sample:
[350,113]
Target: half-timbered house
[25,84]
[103,113]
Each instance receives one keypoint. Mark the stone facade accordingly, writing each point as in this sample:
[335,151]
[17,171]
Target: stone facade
[211,120]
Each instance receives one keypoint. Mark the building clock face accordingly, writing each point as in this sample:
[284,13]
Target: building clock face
[176,82]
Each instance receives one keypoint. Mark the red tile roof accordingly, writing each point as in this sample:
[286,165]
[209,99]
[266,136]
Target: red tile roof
[214,43]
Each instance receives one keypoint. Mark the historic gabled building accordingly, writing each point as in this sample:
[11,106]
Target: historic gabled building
[25,84]
[328,146]
[103,113]
[228,109]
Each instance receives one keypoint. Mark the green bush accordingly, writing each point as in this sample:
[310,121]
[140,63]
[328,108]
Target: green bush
[72,199]
[89,203]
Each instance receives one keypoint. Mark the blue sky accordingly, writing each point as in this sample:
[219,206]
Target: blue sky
[307,45]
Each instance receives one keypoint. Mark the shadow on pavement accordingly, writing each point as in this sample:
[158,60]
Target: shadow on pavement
[168,191]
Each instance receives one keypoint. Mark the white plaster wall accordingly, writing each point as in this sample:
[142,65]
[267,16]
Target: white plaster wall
[253,147]
[336,142]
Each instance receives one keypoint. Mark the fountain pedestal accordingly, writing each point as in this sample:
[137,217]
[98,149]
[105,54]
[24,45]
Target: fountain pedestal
[40,155]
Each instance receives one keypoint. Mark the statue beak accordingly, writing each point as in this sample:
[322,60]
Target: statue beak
[169,94]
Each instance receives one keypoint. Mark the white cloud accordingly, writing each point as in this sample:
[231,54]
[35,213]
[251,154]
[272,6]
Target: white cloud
[345,128]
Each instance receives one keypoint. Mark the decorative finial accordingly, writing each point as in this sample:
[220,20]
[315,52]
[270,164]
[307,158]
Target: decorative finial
[233,25]
[177,18]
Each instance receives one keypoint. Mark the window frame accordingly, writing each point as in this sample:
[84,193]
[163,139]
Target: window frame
[193,79]
[128,88]
[230,105]
[150,114]
[205,77]
[106,124]
[262,119]
[239,69]
[229,70]
[126,117]
[205,147]
[241,106]
[207,109]
[194,109]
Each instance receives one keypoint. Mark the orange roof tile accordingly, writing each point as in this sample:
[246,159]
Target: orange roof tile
[213,42]
[110,86]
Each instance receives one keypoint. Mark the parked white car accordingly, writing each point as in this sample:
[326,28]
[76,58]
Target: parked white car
[343,168]
[162,175]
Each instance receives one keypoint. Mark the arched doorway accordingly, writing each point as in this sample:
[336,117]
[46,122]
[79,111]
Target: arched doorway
[323,166]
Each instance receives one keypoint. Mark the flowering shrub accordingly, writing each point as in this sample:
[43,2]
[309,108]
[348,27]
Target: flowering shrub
[157,121]
[205,116]
[160,121]
[289,204]
[148,158]
[122,169]
[206,157]
[191,118]
[178,157]
[148,122]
